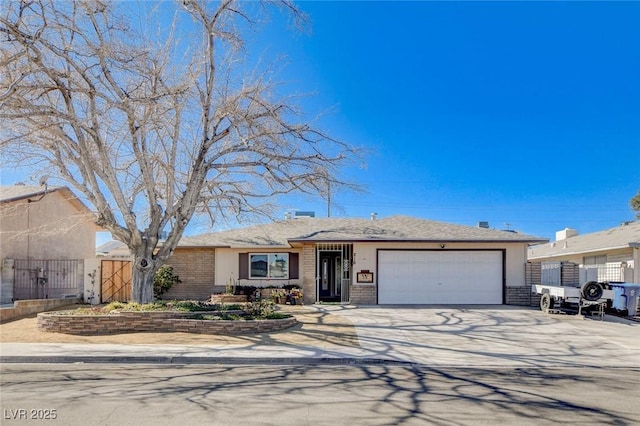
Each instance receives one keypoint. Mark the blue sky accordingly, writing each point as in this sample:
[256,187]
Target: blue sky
[518,113]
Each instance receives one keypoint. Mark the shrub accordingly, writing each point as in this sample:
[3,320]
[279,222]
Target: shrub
[187,306]
[259,309]
[248,290]
[262,309]
[290,287]
[278,293]
[229,307]
[164,280]
[92,310]
[114,306]
[277,315]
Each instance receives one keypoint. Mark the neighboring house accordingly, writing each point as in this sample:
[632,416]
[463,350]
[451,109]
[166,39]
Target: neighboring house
[395,260]
[609,255]
[114,250]
[45,235]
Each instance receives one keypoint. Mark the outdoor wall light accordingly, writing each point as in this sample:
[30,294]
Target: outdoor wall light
[442,245]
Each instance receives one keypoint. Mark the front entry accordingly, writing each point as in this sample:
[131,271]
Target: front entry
[330,276]
[333,273]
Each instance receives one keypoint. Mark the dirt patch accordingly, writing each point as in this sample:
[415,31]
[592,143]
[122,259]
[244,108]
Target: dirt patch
[316,329]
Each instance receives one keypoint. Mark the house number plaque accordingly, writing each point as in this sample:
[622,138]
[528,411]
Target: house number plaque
[365,277]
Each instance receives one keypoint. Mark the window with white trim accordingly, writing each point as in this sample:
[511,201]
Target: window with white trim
[269,265]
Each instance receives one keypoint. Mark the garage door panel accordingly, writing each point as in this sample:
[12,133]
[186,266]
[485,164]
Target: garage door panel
[440,277]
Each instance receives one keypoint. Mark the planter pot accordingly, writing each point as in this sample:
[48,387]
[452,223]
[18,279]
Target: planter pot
[265,293]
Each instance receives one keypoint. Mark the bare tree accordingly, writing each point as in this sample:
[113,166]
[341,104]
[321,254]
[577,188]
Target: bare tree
[635,204]
[154,127]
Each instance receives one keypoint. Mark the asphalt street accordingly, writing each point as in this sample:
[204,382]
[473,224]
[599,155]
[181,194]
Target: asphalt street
[120,394]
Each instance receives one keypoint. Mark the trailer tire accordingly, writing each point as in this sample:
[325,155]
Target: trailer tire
[546,302]
[592,291]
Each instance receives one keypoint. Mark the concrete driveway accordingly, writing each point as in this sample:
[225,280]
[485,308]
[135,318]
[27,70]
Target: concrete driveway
[492,336]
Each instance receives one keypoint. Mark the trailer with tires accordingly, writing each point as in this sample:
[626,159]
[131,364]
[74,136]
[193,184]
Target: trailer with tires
[590,295]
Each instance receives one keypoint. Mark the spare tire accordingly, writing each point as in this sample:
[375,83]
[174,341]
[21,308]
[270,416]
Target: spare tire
[592,291]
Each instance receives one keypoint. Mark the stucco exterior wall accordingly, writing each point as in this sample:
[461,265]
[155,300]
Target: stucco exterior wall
[55,226]
[51,228]
[636,263]
[92,285]
[227,267]
[516,256]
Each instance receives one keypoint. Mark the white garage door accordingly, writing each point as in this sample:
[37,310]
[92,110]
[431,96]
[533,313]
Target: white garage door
[439,277]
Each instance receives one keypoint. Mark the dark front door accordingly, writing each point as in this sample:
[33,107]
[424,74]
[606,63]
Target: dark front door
[329,276]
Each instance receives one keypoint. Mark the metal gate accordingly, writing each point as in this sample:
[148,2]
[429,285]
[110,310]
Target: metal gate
[343,275]
[115,282]
[610,271]
[552,273]
[47,279]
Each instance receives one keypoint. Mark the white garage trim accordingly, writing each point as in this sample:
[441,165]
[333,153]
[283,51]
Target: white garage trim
[441,276]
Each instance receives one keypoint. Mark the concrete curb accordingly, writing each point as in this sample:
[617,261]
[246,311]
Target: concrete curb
[177,360]
[282,361]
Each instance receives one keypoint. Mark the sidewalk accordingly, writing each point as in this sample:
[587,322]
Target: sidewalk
[180,354]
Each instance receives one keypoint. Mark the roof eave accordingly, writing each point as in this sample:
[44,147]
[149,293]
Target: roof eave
[214,246]
[428,240]
[584,251]
[27,196]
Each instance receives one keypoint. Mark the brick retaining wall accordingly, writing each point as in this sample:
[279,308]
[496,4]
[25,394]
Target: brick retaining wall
[139,322]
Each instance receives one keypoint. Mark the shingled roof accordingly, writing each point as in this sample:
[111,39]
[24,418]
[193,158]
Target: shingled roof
[348,230]
[623,236]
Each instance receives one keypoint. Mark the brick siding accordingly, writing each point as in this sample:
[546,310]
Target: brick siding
[362,294]
[519,296]
[308,265]
[196,270]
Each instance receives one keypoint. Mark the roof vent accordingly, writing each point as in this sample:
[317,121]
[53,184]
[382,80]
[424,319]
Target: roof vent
[305,214]
[374,216]
[287,216]
[483,224]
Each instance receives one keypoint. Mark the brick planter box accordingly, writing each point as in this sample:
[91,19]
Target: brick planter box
[228,298]
[138,322]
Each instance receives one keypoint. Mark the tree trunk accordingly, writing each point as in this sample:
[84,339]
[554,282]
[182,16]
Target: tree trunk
[144,271]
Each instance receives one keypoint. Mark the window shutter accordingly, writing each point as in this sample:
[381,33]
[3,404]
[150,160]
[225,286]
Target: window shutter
[294,269]
[243,267]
